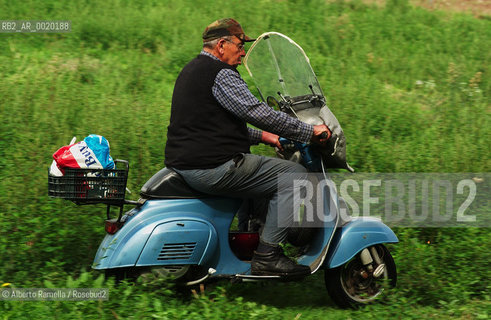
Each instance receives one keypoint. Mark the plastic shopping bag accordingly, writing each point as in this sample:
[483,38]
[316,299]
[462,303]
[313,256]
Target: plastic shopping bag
[91,153]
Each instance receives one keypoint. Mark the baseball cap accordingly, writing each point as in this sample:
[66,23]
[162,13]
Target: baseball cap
[225,27]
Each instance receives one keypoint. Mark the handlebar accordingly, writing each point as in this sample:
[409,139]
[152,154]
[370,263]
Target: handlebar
[298,145]
[309,159]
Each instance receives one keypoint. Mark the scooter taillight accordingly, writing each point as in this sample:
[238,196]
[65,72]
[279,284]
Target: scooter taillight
[112,225]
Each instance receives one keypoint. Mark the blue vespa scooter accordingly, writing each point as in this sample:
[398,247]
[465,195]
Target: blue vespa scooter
[175,230]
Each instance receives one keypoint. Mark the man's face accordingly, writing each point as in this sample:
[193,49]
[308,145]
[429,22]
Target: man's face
[233,51]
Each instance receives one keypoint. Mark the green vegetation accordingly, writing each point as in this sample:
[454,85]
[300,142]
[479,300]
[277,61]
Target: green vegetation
[411,88]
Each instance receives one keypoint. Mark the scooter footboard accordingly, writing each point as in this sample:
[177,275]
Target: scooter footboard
[359,233]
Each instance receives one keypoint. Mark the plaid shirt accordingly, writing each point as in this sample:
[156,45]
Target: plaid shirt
[234,95]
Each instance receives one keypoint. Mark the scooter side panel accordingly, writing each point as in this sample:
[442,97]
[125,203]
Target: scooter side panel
[124,248]
[121,249]
[179,242]
[356,235]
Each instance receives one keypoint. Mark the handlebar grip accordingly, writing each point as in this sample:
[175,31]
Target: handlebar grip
[324,135]
[284,141]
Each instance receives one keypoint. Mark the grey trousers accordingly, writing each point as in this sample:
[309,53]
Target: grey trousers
[254,176]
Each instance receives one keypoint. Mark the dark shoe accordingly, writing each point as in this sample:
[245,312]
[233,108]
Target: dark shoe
[275,263]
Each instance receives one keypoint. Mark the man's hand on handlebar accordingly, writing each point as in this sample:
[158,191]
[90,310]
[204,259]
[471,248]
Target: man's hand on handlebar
[271,139]
[321,134]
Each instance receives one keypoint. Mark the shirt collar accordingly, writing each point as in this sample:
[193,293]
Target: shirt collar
[203,52]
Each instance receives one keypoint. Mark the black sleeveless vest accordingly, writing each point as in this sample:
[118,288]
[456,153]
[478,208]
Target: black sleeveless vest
[202,134]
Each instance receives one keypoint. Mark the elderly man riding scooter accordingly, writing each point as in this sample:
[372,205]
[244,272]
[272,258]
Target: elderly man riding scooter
[208,140]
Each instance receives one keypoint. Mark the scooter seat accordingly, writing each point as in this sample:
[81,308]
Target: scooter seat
[168,184]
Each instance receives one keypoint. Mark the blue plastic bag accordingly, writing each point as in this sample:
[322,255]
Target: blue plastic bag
[100,147]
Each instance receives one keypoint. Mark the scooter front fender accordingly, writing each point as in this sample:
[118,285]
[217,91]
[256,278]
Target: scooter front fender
[356,235]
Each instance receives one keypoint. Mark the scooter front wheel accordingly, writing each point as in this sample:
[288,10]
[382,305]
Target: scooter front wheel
[354,284]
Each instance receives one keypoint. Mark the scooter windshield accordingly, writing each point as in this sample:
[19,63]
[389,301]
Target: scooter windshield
[279,66]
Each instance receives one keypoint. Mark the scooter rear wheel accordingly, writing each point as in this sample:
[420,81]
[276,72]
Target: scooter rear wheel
[352,285]
[182,274]
[120,274]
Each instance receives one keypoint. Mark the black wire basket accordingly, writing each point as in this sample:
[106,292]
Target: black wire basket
[90,186]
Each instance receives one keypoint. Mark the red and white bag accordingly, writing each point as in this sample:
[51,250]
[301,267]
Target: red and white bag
[92,153]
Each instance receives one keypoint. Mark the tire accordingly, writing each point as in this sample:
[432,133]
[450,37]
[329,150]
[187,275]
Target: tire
[132,274]
[128,273]
[348,288]
[179,277]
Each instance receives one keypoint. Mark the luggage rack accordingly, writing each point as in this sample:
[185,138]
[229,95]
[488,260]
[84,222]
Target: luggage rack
[92,186]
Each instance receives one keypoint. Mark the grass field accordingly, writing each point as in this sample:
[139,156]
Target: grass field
[411,88]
